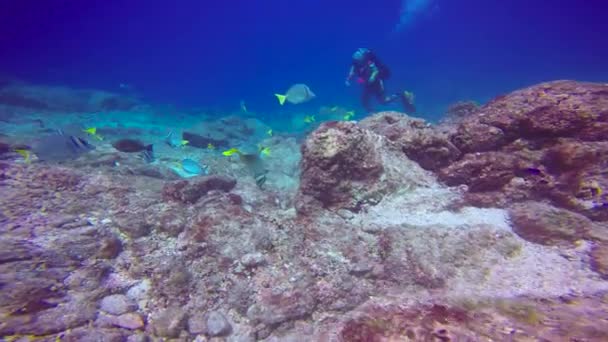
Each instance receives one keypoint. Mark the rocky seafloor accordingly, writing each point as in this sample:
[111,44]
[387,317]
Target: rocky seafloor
[490,226]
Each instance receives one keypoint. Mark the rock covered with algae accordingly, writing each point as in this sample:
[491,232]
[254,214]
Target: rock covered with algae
[378,248]
[345,166]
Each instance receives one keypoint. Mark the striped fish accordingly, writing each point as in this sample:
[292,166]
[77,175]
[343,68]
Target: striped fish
[260,178]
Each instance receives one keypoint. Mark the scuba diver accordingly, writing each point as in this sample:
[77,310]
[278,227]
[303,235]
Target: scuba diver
[371,73]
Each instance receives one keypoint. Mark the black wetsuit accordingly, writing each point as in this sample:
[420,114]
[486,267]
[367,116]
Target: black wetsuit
[363,69]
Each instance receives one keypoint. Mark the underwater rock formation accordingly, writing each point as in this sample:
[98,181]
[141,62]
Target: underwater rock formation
[62,99]
[345,166]
[548,141]
[420,143]
[98,249]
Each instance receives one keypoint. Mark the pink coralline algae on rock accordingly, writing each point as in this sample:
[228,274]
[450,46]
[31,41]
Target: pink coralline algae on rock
[345,166]
[340,165]
[494,227]
[548,141]
[428,147]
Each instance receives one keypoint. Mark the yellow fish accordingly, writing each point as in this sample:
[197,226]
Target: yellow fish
[265,151]
[210,146]
[183,143]
[349,115]
[231,151]
[25,154]
[269,132]
[93,132]
[281,98]
[309,119]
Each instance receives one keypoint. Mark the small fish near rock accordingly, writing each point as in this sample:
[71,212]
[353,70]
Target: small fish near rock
[296,94]
[60,147]
[134,146]
[199,141]
[189,168]
[175,141]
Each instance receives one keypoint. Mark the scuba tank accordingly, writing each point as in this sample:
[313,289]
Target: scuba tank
[383,71]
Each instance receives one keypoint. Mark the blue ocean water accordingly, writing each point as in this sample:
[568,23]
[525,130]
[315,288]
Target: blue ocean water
[216,54]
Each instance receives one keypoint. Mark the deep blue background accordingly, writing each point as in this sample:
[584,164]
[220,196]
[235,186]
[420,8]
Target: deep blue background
[215,53]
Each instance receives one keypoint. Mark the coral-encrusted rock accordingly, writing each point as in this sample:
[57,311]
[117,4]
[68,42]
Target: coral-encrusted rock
[581,178]
[545,224]
[190,192]
[570,154]
[346,167]
[168,323]
[545,142]
[553,109]
[428,147]
[481,171]
[458,111]
[275,308]
[340,165]
[478,137]
[584,192]
[454,115]
[424,323]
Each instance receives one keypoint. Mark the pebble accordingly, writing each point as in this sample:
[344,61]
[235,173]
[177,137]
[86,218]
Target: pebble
[361,268]
[217,324]
[253,259]
[129,320]
[197,325]
[140,290]
[117,304]
[138,338]
[169,322]
[346,214]
[372,228]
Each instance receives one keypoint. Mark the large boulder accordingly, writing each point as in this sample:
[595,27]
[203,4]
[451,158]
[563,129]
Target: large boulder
[420,142]
[546,110]
[345,166]
[545,142]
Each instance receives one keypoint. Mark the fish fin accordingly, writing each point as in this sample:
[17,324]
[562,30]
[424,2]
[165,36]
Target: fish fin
[281,98]
[25,154]
[231,152]
[148,154]
[90,130]
[80,143]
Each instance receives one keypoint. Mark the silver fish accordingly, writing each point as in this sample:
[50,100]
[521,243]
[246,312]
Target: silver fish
[193,167]
[296,94]
[60,147]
